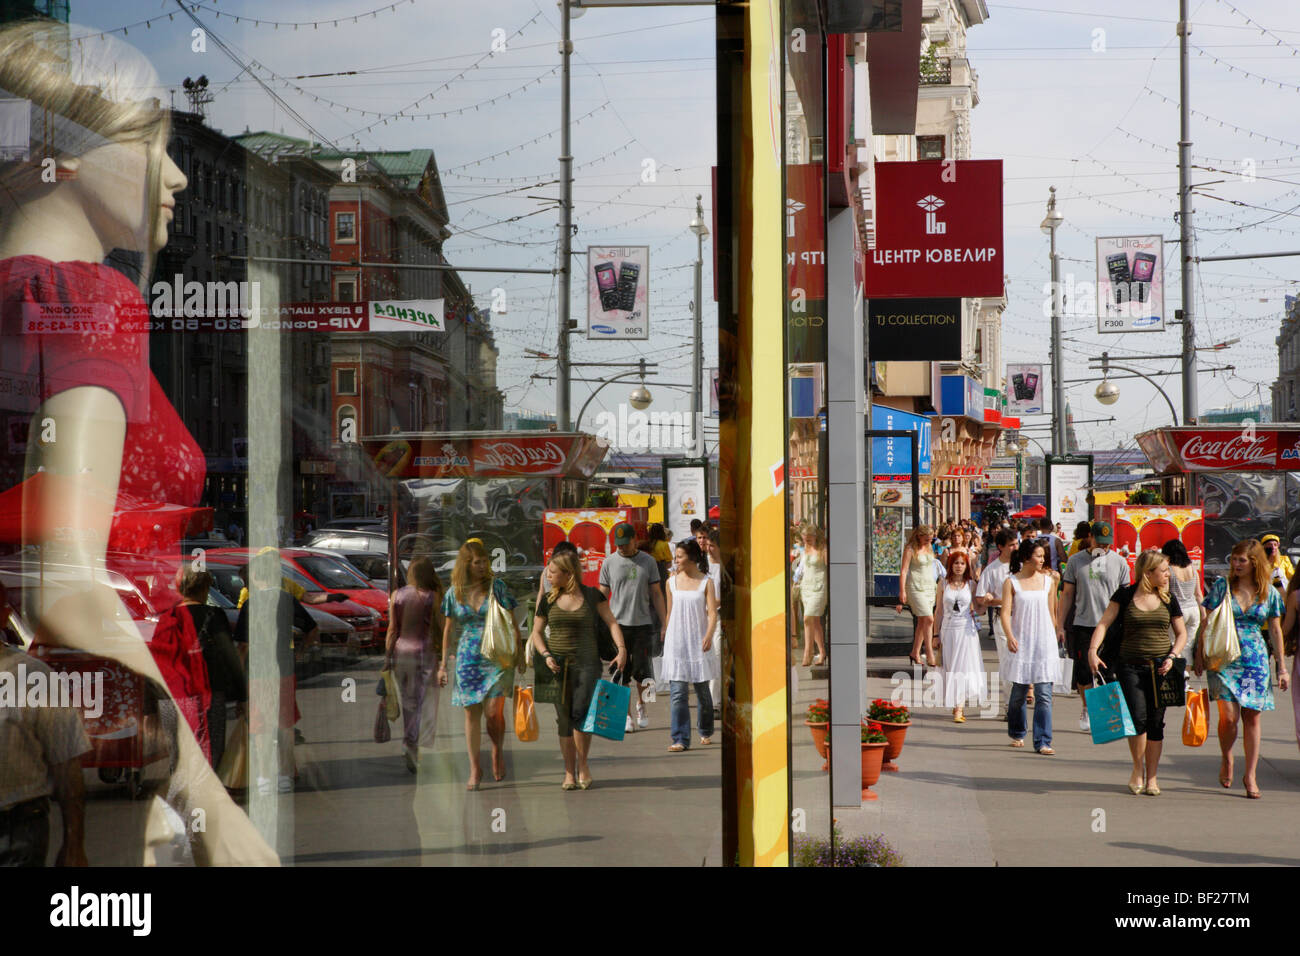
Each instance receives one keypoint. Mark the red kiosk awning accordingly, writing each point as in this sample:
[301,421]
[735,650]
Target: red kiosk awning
[502,454]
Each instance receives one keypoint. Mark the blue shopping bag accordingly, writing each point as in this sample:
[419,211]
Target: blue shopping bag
[1108,713]
[607,715]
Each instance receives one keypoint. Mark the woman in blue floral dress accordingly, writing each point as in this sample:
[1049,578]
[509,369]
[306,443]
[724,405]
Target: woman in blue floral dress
[481,684]
[1244,688]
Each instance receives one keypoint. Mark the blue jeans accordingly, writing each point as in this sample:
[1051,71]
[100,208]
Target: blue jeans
[1017,716]
[680,711]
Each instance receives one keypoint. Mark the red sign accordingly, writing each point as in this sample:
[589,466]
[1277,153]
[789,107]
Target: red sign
[938,230]
[486,455]
[1221,448]
[805,229]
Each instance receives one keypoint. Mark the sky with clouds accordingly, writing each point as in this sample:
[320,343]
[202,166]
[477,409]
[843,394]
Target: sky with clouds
[1070,95]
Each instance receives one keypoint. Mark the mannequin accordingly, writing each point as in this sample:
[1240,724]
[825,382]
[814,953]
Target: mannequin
[113,190]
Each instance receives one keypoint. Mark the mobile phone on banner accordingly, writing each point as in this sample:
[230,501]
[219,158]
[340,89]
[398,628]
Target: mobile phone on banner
[629,273]
[608,286]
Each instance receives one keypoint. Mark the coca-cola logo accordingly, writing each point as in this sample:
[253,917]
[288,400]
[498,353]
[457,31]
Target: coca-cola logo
[1233,451]
[542,456]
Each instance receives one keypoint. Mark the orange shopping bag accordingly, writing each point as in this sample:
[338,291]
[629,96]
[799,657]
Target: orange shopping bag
[1196,722]
[525,714]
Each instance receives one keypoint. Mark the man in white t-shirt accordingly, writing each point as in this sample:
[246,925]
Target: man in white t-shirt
[989,595]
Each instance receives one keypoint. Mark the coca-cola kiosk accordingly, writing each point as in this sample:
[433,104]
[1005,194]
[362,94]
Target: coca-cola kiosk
[447,487]
[1245,479]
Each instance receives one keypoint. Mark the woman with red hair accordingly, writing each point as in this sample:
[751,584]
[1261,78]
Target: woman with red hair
[963,667]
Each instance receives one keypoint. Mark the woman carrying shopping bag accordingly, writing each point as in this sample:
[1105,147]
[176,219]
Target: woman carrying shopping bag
[1149,614]
[411,653]
[1244,687]
[564,641]
[1290,632]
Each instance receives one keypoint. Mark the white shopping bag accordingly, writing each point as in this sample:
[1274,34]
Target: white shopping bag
[1064,682]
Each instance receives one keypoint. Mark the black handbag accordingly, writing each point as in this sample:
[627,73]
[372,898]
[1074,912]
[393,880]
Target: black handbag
[1170,688]
[605,645]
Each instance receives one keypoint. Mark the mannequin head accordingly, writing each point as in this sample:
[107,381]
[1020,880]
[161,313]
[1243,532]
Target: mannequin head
[93,111]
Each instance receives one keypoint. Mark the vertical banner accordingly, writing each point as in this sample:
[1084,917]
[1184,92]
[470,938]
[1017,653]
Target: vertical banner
[1069,482]
[1130,283]
[713,393]
[618,292]
[1025,387]
[686,495]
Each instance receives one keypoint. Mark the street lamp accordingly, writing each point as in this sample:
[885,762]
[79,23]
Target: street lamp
[640,398]
[1107,392]
[697,354]
[1050,224]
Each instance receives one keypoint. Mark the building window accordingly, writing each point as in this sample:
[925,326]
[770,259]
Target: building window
[345,381]
[345,227]
[345,290]
[347,419]
[929,147]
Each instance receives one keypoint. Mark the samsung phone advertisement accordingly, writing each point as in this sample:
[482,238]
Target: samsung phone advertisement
[1130,284]
[618,292]
[1024,390]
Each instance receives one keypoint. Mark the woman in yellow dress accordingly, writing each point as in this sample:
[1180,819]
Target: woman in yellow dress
[916,584]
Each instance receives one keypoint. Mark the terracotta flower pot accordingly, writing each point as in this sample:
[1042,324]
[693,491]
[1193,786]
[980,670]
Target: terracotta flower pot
[819,732]
[894,733]
[872,755]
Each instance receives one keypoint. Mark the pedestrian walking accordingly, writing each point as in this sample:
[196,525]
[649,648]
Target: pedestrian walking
[565,635]
[916,586]
[1028,614]
[989,595]
[1290,631]
[481,684]
[716,574]
[1185,584]
[963,667]
[225,670]
[629,579]
[1244,687]
[1092,576]
[1148,613]
[688,644]
[1280,568]
[412,651]
[812,591]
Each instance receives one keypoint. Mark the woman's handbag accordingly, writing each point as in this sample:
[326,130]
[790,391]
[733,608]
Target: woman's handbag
[548,686]
[498,644]
[605,645]
[607,715]
[1108,714]
[1221,645]
[1171,688]
[233,771]
[387,689]
[382,732]
[525,715]
[1196,723]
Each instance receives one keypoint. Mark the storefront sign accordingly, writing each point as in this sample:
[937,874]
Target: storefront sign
[893,456]
[618,292]
[1025,389]
[1228,448]
[1130,284]
[938,230]
[961,395]
[1000,478]
[686,494]
[923,330]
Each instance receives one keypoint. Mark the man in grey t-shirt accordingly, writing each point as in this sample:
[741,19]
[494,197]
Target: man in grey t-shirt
[628,578]
[1091,577]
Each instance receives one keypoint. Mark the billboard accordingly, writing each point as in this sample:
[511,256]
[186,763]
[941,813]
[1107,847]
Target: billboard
[686,494]
[618,292]
[1130,284]
[1069,481]
[938,230]
[1024,390]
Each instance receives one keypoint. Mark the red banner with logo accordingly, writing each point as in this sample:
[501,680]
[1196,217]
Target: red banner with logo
[1229,448]
[546,455]
[938,230]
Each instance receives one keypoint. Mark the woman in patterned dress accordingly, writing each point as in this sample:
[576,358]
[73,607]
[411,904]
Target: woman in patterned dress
[481,684]
[1244,688]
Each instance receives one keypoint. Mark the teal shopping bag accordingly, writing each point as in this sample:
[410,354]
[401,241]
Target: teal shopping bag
[607,715]
[1108,713]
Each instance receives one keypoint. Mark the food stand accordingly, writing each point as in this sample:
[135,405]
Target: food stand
[592,531]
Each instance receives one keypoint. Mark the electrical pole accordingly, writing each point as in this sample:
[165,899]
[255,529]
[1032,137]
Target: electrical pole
[697,353]
[566,228]
[1186,251]
[1050,224]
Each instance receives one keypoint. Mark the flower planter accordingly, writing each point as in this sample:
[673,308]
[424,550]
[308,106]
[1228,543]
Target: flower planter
[872,755]
[819,732]
[895,734]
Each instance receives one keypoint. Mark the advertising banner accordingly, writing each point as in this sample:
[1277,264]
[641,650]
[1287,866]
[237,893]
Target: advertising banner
[1069,479]
[713,393]
[805,258]
[486,455]
[1130,284]
[1000,477]
[922,330]
[618,292]
[1025,390]
[893,456]
[234,307]
[938,230]
[686,494]
[1223,448]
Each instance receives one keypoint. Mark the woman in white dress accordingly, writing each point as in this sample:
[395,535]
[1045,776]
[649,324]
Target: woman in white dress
[963,667]
[688,644]
[1028,613]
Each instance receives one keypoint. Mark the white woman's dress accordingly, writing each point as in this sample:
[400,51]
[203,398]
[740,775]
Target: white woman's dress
[1036,660]
[963,667]
[684,656]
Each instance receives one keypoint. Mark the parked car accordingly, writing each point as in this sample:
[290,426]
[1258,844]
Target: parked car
[338,638]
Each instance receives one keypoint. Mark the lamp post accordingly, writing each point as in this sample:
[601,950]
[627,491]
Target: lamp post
[1108,392]
[1050,224]
[697,353]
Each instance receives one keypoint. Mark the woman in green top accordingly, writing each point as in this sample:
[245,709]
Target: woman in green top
[1149,612]
[570,651]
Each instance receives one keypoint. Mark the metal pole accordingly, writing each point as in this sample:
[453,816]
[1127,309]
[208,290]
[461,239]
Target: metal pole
[566,224]
[1058,371]
[697,353]
[1185,248]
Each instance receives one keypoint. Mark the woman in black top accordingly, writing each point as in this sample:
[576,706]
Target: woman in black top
[225,670]
[1149,612]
